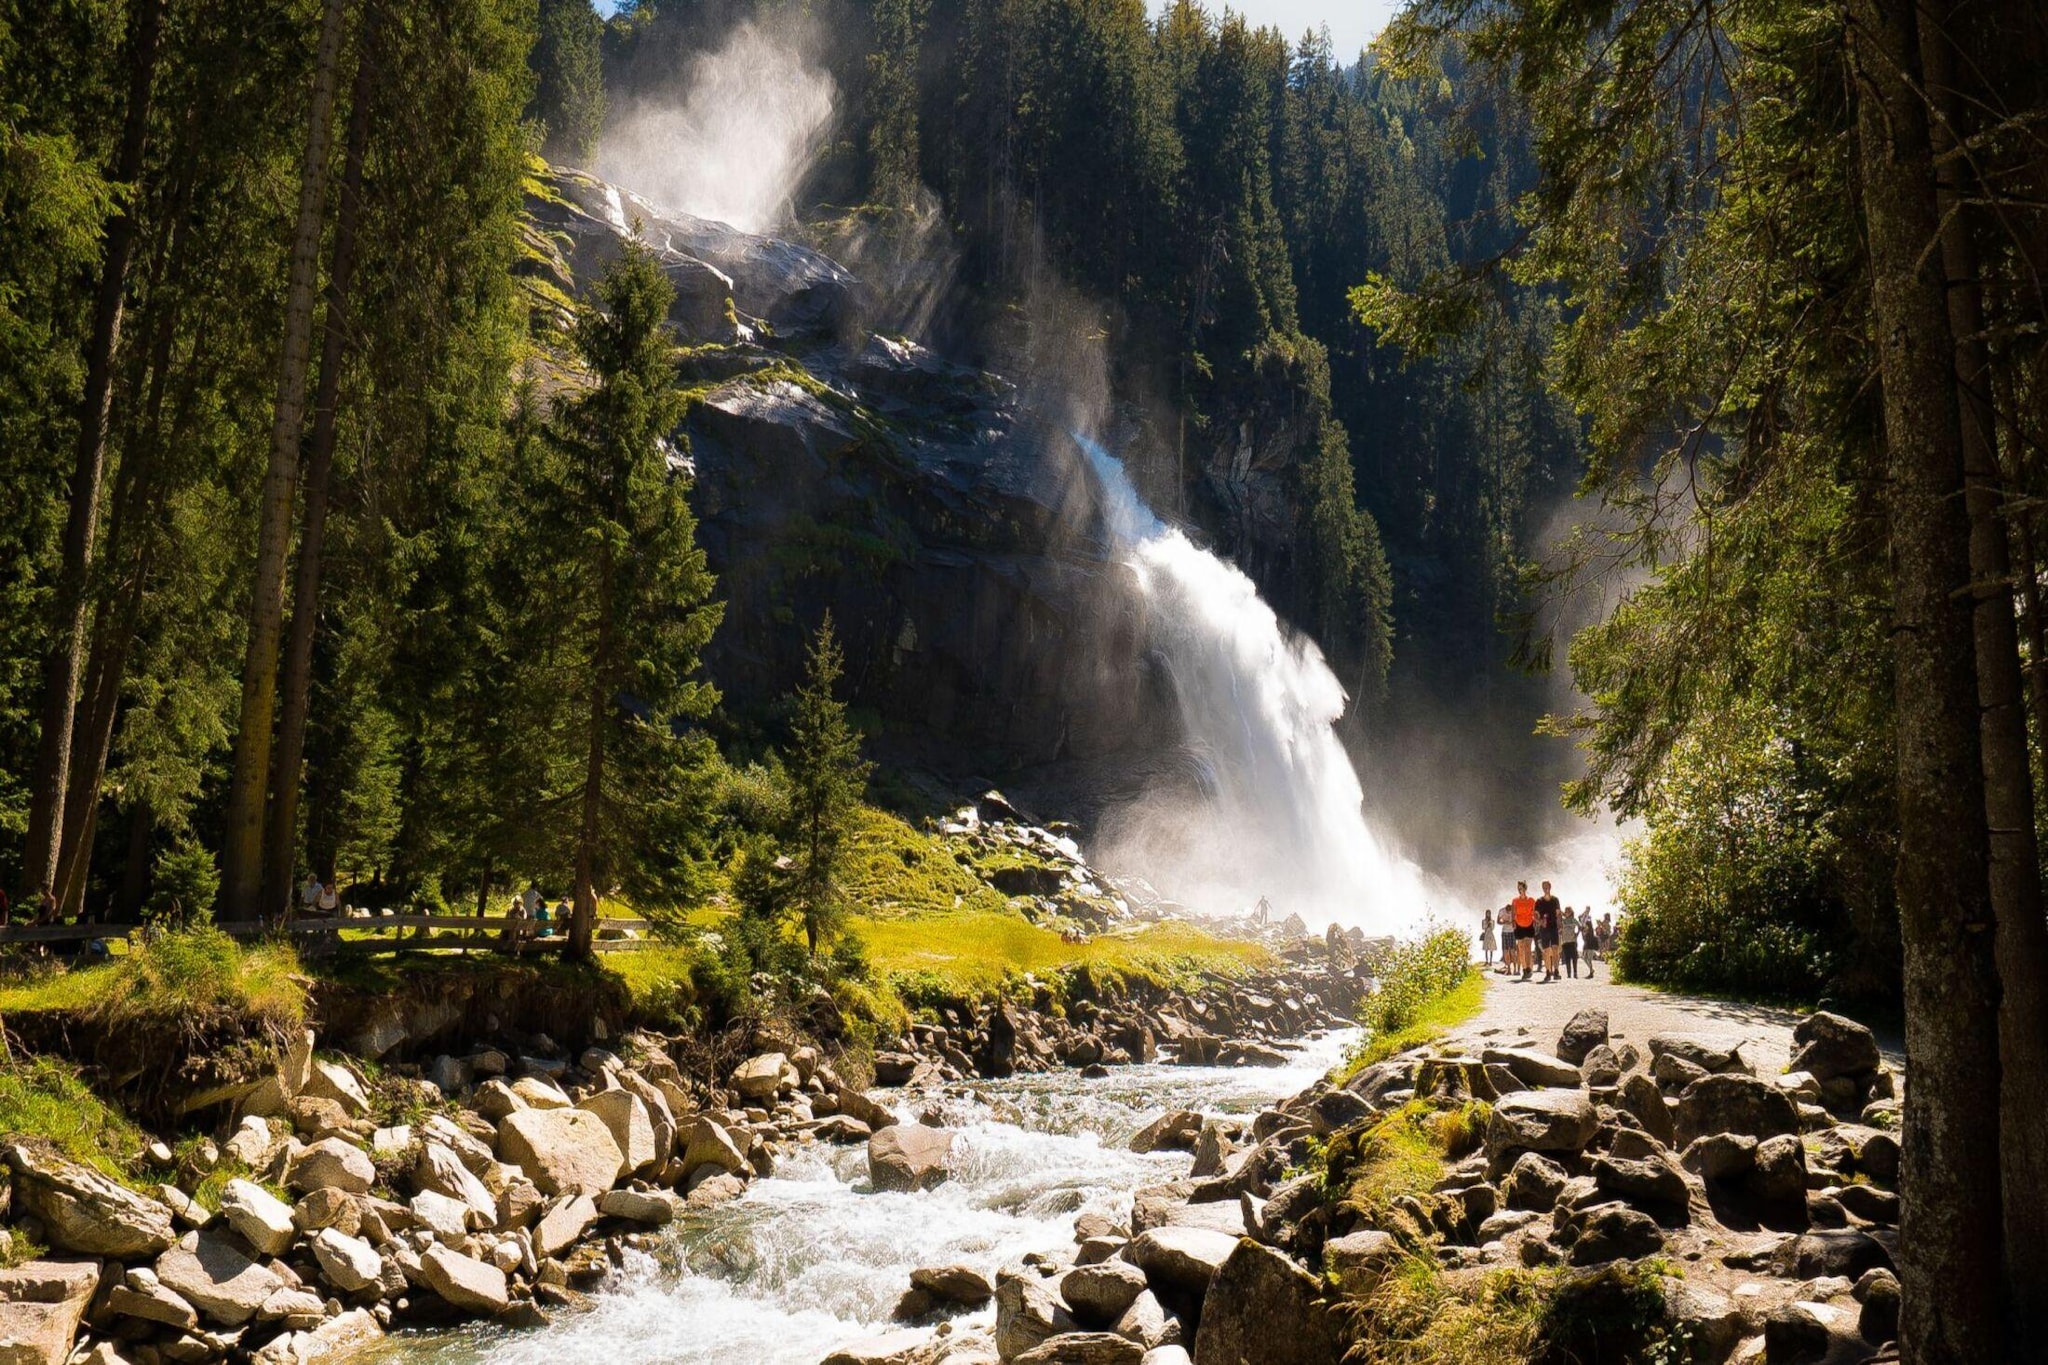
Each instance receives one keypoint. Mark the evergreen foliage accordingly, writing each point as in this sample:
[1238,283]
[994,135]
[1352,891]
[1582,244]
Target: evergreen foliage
[827,778]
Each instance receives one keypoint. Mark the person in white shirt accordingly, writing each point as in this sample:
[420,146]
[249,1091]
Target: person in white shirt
[309,894]
[330,898]
[1486,938]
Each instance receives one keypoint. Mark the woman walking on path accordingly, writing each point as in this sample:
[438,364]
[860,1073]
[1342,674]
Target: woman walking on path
[1589,936]
[1525,929]
[1486,937]
[1568,942]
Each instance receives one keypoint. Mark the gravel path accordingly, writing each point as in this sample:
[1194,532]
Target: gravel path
[1534,1014]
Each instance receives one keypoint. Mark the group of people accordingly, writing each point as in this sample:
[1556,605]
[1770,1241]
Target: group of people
[1535,933]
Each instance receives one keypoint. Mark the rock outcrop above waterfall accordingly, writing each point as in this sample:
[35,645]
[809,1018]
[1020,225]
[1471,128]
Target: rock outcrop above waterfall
[839,469]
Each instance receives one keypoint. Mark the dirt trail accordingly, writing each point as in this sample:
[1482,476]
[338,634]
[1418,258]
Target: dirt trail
[1531,1012]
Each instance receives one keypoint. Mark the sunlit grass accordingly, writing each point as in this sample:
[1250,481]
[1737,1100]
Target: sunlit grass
[976,950]
[188,975]
[44,1098]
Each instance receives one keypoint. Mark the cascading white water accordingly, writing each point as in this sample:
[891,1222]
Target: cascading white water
[811,1258]
[1281,814]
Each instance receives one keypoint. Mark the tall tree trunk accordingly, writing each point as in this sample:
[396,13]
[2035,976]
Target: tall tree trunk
[2022,936]
[583,920]
[242,851]
[135,871]
[287,769]
[1949,1235]
[67,634]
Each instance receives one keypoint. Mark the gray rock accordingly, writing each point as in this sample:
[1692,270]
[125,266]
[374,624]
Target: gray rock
[332,1164]
[1847,1252]
[1795,1333]
[217,1279]
[632,1128]
[1601,1066]
[1084,1348]
[1709,1056]
[649,1208]
[1543,1121]
[562,1224]
[465,1282]
[349,1263]
[1828,1045]
[1174,1131]
[910,1156]
[1148,1323]
[1644,1102]
[890,1348]
[83,1211]
[705,1142]
[1613,1232]
[1101,1293]
[1531,1067]
[1027,1314]
[759,1078]
[264,1220]
[961,1284]
[1779,1172]
[1180,1261]
[563,1151]
[1651,1181]
[1586,1030]
[1262,1306]
[1533,1182]
[1720,1156]
[41,1306]
[1733,1104]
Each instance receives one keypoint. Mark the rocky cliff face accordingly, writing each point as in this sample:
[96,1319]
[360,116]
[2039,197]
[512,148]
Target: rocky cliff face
[951,534]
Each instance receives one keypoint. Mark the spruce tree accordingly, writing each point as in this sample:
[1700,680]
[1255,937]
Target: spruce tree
[827,777]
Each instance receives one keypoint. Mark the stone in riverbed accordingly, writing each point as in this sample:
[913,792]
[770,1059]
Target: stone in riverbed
[961,1284]
[1027,1313]
[759,1078]
[704,1141]
[41,1305]
[1083,1348]
[1262,1306]
[632,1127]
[349,1263]
[562,1223]
[465,1282]
[83,1211]
[563,1151]
[1181,1261]
[648,1208]
[1173,1131]
[890,1348]
[1148,1323]
[910,1156]
[1101,1293]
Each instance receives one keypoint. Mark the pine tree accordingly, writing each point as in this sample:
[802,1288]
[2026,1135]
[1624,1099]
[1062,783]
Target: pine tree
[633,600]
[827,777]
[568,98]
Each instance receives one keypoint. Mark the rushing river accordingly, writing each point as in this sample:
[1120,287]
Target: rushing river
[811,1258]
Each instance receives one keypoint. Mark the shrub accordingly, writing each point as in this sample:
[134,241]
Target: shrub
[186,882]
[1411,976]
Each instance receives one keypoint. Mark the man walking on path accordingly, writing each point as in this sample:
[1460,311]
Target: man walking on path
[1547,914]
[1525,928]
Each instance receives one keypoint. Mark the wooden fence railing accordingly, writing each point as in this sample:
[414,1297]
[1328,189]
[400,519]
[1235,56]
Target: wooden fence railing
[373,932]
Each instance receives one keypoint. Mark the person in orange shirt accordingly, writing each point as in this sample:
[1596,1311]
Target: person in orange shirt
[1525,929]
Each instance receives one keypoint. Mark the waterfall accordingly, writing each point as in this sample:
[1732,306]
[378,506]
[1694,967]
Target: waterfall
[1280,815]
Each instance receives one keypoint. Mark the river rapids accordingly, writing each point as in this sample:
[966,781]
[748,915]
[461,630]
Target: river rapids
[811,1258]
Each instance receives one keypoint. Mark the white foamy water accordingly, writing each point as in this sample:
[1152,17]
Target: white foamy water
[811,1258]
[1281,814]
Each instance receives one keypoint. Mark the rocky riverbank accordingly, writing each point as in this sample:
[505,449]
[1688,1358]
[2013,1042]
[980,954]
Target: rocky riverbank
[508,1181]
[1671,1196]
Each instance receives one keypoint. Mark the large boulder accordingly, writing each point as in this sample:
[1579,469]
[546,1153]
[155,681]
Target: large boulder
[1733,1104]
[1585,1031]
[910,1156]
[1543,1121]
[759,1078]
[264,1220]
[1263,1307]
[1612,1232]
[904,1347]
[216,1278]
[563,1223]
[83,1211]
[333,1081]
[464,1281]
[1531,1067]
[1178,1261]
[1642,1099]
[440,1170]
[1084,1348]
[1359,1260]
[961,1284]
[1027,1313]
[1707,1054]
[855,1104]
[1101,1293]
[1828,1045]
[1175,1130]
[332,1164]
[349,1263]
[563,1151]
[632,1127]
[704,1141]
[41,1304]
